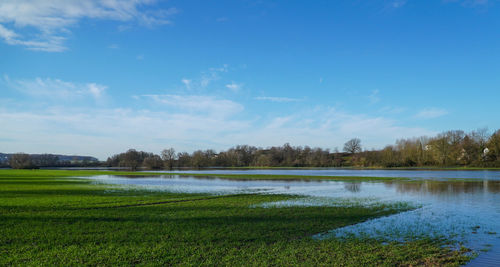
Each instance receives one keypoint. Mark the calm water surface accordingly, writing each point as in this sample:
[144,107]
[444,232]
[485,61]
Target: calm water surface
[426,174]
[467,212]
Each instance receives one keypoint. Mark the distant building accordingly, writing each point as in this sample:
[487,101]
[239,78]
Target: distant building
[462,154]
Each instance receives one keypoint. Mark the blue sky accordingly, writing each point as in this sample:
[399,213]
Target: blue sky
[99,77]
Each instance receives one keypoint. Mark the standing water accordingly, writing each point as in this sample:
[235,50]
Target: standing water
[421,174]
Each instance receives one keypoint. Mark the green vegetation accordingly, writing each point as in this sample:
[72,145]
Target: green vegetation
[48,218]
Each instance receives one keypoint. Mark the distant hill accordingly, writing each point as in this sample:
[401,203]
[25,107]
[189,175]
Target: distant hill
[53,159]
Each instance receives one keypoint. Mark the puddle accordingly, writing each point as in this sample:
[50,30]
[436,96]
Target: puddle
[465,212]
[324,201]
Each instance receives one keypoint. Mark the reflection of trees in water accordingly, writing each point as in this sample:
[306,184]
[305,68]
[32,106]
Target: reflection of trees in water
[451,188]
[352,186]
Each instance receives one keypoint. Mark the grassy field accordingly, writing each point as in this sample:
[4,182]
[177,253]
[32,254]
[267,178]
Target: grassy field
[49,218]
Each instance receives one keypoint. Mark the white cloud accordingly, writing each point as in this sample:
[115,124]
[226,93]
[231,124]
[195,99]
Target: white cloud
[55,88]
[224,68]
[103,132]
[327,127]
[7,34]
[431,113]
[206,78]
[277,99]
[186,123]
[53,19]
[187,83]
[480,4]
[398,3]
[96,90]
[212,75]
[198,103]
[470,3]
[392,110]
[234,86]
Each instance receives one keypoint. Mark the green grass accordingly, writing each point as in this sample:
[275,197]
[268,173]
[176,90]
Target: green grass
[48,218]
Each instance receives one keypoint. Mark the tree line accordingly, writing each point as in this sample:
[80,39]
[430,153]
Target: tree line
[451,148]
[35,161]
[239,156]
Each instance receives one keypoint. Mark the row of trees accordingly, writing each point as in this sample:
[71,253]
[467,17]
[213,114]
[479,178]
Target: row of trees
[27,161]
[239,156]
[452,148]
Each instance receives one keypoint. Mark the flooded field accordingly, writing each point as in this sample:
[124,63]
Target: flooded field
[466,212]
[425,174]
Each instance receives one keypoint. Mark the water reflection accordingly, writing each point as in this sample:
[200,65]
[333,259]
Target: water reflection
[417,174]
[449,188]
[353,187]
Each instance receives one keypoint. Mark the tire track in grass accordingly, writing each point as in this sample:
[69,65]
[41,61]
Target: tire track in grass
[163,202]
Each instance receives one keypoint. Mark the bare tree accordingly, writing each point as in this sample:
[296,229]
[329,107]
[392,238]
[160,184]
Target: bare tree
[353,146]
[20,161]
[131,159]
[152,162]
[168,155]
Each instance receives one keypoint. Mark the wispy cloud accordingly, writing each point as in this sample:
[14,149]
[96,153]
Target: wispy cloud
[222,19]
[476,4]
[199,103]
[431,113]
[212,75]
[398,3]
[327,127]
[235,87]
[469,3]
[187,122]
[186,126]
[102,132]
[277,99]
[206,78]
[374,96]
[187,83]
[56,88]
[391,5]
[52,20]
[96,90]
[392,110]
